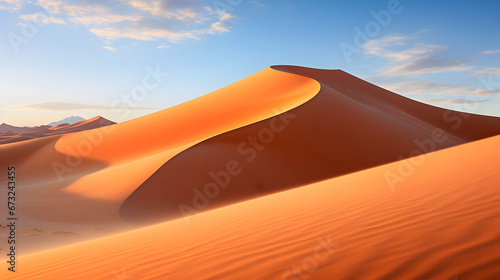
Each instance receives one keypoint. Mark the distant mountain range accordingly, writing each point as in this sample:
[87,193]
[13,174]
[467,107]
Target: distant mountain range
[13,129]
[11,134]
[69,120]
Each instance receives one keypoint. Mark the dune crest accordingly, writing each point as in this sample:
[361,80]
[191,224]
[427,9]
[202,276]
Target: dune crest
[350,125]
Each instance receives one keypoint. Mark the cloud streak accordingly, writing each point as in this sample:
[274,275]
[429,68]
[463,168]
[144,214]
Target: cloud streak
[418,59]
[490,52]
[487,72]
[458,101]
[430,87]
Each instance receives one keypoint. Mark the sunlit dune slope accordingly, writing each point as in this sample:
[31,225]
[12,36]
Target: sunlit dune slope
[84,177]
[257,97]
[439,222]
[348,126]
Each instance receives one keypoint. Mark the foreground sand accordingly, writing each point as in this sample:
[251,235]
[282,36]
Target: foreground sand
[440,223]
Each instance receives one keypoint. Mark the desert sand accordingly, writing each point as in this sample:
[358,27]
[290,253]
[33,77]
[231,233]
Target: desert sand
[290,173]
[437,224]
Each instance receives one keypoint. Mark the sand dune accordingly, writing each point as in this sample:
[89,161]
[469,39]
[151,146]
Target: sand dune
[81,179]
[282,128]
[440,223]
[348,126]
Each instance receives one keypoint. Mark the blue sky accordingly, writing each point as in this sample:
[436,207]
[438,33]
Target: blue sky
[126,58]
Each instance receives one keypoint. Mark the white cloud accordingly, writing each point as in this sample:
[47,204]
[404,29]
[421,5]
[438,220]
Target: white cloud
[487,72]
[420,58]
[262,5]
[406,60]
[491,52]
[11,5]
[42,18]
[162,20]
[109,48]
[459,101]
[218,27]
[141,33]
[430,87]
[103,19]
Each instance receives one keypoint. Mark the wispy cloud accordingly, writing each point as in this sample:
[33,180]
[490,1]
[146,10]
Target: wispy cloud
[109,48]
[41,18]
[490,52]
[259,3]
[417,59]
[458,101]
[421,87]
[163,20]
[406,60]
[63,106]
[11,5]
[487,72]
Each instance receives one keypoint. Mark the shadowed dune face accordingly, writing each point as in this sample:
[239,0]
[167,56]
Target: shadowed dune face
[469,127]
[441,223]
[348,126]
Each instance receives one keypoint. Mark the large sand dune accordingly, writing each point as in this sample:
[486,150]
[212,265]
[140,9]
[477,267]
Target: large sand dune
[263,154]
[79,181]
[348,126]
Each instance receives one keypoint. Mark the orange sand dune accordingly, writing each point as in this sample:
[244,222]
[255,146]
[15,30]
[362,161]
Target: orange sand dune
[348,126]
[81,179]
[440,222]
[143,170]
